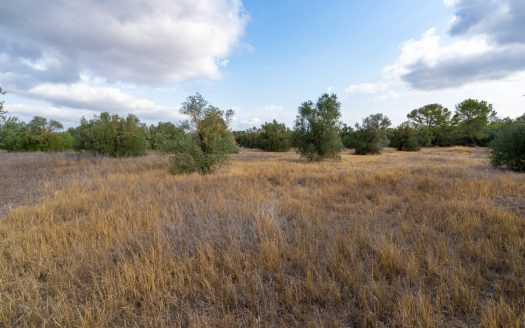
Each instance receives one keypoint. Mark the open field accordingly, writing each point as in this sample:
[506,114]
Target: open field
[428,239]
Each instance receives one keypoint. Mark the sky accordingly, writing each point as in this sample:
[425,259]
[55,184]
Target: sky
[68,59]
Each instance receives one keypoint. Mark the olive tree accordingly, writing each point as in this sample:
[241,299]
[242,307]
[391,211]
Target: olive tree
[316,132]
[371,137]
[207,141]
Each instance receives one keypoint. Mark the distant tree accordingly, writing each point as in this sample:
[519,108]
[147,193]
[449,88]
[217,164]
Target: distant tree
[207,141]
[424,136]
[371,136]
[112,135]
[508,147]
[163,133]
[433,122]
[472,119]
[430,116]
[347,134]
[275,137]
[13,134]
[405,138]
[40,134]
[249,138]
[316,132]
[2,111]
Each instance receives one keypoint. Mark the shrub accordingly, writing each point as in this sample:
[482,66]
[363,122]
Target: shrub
[163,133]
[472,119]
[508,147]
[404,138]
[371,136]
[207,141]
[249,138]
[112,135]
[316,132]
[274,137]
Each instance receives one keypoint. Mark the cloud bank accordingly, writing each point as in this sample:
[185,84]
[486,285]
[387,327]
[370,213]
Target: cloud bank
[488,44]
[139,41]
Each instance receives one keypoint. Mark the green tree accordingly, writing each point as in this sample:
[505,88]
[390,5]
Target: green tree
[249,138]
[433,121]
[405,138]
[347,134]
[112,135]
[316,132]
[371,137]
[430,116]
[472,119]
[163,133]
[508,147]
[207,141]
[275,137]
[41,132]
[13,134]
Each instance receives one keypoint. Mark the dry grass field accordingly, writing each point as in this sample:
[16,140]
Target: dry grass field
[428,239]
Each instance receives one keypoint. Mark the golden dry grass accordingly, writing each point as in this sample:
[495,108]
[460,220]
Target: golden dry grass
[430,239]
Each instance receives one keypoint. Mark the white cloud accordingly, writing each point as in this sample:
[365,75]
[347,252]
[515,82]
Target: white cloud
[140,41]
[488,44]
[75,100]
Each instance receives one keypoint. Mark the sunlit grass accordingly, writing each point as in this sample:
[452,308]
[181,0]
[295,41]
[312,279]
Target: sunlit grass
[435,238]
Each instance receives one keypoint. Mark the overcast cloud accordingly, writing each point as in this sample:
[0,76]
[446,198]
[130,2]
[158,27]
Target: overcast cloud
[141,41]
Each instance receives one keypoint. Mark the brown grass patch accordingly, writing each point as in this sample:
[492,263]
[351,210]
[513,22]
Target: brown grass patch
[395,240]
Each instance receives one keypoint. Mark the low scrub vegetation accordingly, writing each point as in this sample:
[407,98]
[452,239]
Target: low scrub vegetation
[207,141]
[316,132]
[428,239]
[508,146]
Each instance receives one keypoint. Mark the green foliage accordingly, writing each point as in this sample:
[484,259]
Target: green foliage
[371,137]
[347,136]
[424,136]
[405,138]
[207,141]
[508,147]
[13,134]
[472,120]
[316,132]
[249,138]
[40,134]
[430,116]
[271,136]
[112,135]
[275,137]
[162,133]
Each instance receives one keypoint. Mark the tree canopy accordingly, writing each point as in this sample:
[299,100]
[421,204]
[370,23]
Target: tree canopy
[316,132]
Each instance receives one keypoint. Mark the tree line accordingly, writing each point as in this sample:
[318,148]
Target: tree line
[206,140]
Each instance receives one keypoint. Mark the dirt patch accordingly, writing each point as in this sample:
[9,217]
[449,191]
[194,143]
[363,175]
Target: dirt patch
[24,176]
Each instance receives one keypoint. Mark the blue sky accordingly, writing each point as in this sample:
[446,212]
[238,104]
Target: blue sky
[261,58]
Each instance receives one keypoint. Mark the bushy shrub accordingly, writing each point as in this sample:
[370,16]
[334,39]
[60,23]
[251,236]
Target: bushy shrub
[404,138]
[207,141]
[316,132]
[249,138]
[371,137]
[471,121]
[40,134]
[272,136]
[112,135]
[275,137]
[508,147]
[162,133]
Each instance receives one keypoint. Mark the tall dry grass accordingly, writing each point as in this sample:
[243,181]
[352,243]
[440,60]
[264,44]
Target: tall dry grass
[432,239]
